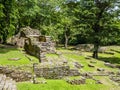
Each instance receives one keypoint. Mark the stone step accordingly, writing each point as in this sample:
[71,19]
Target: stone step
[7,83]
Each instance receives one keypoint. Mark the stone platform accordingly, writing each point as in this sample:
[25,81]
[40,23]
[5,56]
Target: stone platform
[7,83]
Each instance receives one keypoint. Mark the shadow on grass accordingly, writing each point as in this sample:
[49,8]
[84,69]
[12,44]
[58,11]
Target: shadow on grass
[115,51]
[112,60]
[7,48]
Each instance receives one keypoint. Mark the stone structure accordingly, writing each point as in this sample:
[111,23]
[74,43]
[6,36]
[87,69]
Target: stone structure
[39,46]
[85,47]
[115,77]
[7,83]
[19,39]
[50,71]
[90,47]
[34,43]
[91,65]
[17,75]
[78,65]
[76,81]
[110,65]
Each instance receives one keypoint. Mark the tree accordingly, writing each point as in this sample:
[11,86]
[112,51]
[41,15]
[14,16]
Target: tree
[1,16]
[99,16]
[28,10]
[67,20]
[8,19]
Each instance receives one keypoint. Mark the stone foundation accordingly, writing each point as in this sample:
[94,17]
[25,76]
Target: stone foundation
[34,43]
[54,72]
[76,81]
[7,83]
[17,75]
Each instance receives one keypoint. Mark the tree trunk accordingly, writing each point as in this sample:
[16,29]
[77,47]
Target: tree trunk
[95,52]
[4,39]
[66,39]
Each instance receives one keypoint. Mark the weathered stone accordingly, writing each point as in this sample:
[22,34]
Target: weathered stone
[14,59]
[85,47]
[90,65]
[34,43]
[76,81]
[50,71]
[102,49]
[93,61]
[115,78]
[110,65]
[74,72]
[100,69]
[87,75]
[98,82]
[7,83]
[78,65]
[16,75]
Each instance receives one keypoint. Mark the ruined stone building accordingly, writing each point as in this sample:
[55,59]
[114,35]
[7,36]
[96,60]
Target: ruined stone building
[34,43]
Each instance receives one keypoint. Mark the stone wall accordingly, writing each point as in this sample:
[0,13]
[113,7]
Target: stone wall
[85,47]
[33,42]
[19,38]
[90,47]
[38,48]
[17,75]
[115,78]
[50,71]
[7,83]
[76,81]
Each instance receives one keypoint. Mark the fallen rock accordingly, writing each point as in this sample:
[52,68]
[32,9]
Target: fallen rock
[14,59]
[87,75]
[90,65]
[6,83]
[110,65]
[98,82]
[100,69]
[78,65]
[76,81]
[93,62]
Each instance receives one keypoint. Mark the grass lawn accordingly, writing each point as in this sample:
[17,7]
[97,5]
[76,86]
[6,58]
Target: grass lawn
[71,56]
[12,52]
[62,85]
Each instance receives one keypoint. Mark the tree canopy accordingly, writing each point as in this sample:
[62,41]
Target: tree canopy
[66,21]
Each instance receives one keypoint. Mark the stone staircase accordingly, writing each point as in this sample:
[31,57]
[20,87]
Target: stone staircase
[7,83]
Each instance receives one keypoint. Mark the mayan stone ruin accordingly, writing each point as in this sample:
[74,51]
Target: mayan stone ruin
[54,71]
[34,43]
[7,83]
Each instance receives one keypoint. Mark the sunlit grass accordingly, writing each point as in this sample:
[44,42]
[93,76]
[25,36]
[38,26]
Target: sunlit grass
[62,85]
[71,56]
[6,54]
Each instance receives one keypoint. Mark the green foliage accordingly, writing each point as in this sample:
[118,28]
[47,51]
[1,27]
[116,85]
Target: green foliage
[8,18]
[67,21]
[62,85]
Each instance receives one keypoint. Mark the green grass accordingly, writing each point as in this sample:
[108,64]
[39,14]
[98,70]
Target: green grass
[71,56]
[8,53]
[62,85]
[83,61]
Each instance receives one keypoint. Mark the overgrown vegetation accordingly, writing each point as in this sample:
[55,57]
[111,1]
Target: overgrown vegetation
[67,21]
[70,56]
